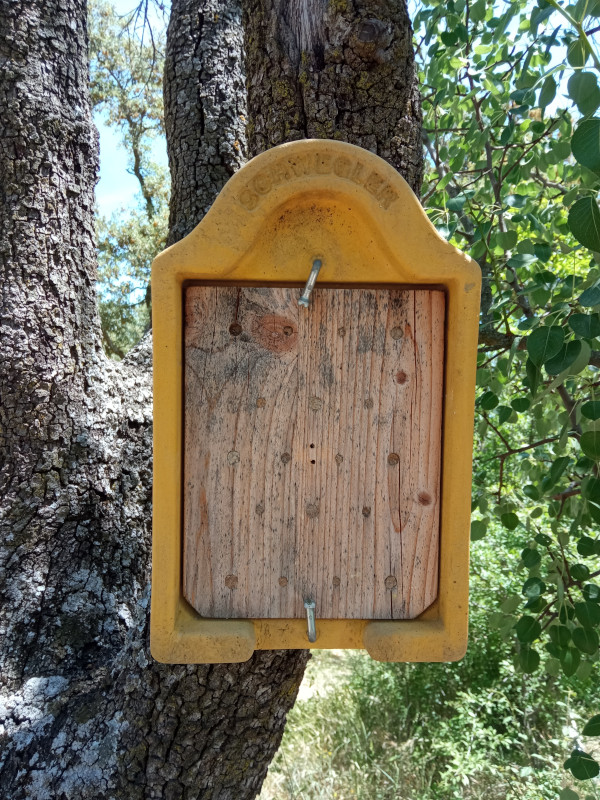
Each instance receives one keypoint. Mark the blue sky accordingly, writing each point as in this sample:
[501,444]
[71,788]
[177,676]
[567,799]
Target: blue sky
[117,187]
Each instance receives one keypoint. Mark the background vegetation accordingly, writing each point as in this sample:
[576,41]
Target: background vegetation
[512,144]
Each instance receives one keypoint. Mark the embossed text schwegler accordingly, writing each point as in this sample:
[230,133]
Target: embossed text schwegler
[286,170]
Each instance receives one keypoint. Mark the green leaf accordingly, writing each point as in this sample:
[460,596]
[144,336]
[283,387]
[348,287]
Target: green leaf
[592,728]
[521,260]
[587,547]
[507,240]
[577,55]
[504,414]
[588,614]
[591,409]
[560,635]
[511,604]
[527,629]
[478,529]
[585,640]
[547,92]
[558,467]
[568,794]
[584,223]
[533,588]
[531,558]
[520,403]
[488,401]
[580,572]
[533,376]
[590,444]
[544,343]
[456,203]
[532,492]
[591,296]
[569,661]
[564,358]
[591,592]
[582,765]
[509,520]
[529,660]
[583,90]
[449,38]
[585,325]
[586,144]
[542,251]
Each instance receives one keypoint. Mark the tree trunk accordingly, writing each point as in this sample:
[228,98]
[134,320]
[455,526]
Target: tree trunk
[84,711]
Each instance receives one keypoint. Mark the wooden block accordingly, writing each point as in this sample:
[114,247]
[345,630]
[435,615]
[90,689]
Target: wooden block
[312,451]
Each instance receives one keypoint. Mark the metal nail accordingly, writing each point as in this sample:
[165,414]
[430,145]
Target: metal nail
[304,299]
[309,605]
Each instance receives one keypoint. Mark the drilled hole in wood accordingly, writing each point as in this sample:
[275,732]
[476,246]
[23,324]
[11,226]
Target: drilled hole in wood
[235,329]
[288,330]
[313,461]
[311,445]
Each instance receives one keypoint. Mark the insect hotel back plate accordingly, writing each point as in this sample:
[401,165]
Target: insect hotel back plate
[312,454]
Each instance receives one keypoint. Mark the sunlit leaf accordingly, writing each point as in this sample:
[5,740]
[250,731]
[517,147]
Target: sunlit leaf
[582,765]
[586,144]
[544,343]
[590,444]
[584,222]
[592,728]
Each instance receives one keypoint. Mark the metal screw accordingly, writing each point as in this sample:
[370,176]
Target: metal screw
[304,299]
[309,605]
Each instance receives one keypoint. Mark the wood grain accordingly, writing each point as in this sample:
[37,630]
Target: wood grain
[312,451]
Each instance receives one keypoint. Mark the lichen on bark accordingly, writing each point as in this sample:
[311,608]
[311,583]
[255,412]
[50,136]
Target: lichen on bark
[333,69]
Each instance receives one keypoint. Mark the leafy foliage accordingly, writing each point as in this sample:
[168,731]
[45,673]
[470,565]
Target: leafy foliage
[514,149]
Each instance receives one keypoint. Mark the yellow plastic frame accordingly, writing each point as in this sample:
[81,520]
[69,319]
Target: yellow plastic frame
[280,211]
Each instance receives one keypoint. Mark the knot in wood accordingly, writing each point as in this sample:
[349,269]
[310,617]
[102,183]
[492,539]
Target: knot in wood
[372,40]
[391,582]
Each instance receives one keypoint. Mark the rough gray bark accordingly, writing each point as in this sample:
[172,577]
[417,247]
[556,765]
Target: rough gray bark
[84,711]
[334,69]
[205,106]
